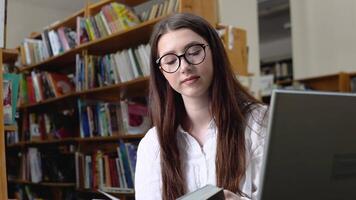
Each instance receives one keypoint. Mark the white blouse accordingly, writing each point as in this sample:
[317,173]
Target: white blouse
[199,162]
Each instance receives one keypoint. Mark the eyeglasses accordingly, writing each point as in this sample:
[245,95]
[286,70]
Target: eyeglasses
[194,55]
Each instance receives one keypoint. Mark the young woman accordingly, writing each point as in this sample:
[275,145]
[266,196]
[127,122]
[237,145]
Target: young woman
[207,128]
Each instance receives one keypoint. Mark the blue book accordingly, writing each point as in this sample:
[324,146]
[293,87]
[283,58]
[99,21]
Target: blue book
[123,155]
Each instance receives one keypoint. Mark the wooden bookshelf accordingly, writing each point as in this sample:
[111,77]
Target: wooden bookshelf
[6,56]
[339,82]
[112,93]
[76,140]
[66,62]
[10,128]
[46,184]
[121,39]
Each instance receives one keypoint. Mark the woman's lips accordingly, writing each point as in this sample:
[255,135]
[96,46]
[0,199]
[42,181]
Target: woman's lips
[190,80]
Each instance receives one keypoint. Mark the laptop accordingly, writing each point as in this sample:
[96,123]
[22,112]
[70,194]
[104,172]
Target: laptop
[310,151]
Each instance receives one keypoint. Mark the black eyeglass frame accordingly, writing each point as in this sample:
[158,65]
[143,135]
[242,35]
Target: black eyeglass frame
[183,55]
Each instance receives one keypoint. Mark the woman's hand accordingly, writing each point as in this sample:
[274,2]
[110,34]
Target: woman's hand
[231,196]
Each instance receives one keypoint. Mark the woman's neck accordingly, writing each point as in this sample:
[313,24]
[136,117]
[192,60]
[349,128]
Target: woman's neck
[198,117]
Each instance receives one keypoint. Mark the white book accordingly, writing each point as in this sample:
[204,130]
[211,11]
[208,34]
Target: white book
[145,59]
[35,165]
[115,68]
[133,64]
[127,66]
[54,40]
[140,62]
[119,65]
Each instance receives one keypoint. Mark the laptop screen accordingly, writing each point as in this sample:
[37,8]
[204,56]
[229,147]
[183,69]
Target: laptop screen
[310,152]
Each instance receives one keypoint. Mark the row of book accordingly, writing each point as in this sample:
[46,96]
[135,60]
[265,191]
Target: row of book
[51,43]
[27,192]
[152,9]
[112,119]
[97,71]
[36,166]
[48,126]
[12,137]
[111,18]
[113,169]
[281,70]
[39,86]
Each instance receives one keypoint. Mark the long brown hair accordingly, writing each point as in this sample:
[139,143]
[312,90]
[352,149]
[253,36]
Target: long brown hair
[230,105]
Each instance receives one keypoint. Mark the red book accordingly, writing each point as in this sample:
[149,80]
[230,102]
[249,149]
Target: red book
[31,90]
[60,84]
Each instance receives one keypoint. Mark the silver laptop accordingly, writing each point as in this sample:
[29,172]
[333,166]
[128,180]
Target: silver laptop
[310,151]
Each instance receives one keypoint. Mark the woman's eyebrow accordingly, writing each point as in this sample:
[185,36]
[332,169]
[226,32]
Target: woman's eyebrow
[184,48]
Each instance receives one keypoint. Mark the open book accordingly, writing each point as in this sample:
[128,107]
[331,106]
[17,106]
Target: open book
[208,192]
[111,197]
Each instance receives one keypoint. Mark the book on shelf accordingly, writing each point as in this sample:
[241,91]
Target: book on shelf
[49,43]
[11,92]
[39,86]
[109,171]
[48,126]
[155,8]
[98,71]
[111,18]
[208,192]
[12,137]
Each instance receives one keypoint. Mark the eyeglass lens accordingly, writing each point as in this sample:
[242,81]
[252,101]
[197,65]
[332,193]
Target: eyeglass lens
[194,55]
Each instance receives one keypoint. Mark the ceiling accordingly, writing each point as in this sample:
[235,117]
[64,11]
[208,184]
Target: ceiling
[274,20]
[70,5]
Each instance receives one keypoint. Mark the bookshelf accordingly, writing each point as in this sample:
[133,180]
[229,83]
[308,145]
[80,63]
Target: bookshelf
[66,62]
[339,82]
[6,56]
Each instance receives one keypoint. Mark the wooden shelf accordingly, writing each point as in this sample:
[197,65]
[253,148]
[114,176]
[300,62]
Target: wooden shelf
[10,128]
[97,192]
[123,39]
[49,102]
[9,55]
[110,138]
[118,91]
[133,36]
[48,184]
[76,140]
[16,145]
[339,82]
[112,92]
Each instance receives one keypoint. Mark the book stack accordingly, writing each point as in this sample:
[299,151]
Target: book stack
[100,119]
[49,43]
[101,170]
[112,18]
[48,126]
[152,9]
[98,71]
[43,85]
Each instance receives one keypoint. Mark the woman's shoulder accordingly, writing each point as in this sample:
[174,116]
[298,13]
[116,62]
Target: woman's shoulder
[149,144]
